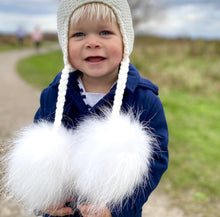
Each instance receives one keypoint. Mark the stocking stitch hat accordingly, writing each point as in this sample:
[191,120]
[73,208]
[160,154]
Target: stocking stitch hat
[122,11]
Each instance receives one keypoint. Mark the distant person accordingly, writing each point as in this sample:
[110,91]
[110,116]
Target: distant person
[20,33]
[37,36]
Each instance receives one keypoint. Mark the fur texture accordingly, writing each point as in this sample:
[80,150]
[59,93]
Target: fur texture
[102,162]
[116,153]
[38,166]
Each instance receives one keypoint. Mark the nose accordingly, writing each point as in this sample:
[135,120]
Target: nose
[93,42]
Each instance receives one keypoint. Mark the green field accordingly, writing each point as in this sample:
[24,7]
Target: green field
[40,70]
[187,73]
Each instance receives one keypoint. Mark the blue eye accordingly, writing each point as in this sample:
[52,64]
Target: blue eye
[105,32]
[78,34]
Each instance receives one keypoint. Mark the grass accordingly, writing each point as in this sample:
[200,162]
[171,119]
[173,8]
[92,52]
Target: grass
[39,70]
[187,73]
[194,151]
[4,48]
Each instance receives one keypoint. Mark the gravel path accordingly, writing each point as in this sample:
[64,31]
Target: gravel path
[19,102]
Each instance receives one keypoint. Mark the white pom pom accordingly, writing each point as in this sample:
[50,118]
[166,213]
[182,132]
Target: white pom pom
[38,166]
[102,162]
[116,152]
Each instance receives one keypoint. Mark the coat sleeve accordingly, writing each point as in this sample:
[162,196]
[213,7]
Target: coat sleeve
[48,101]
[40,112]
[47,107]
[154,115]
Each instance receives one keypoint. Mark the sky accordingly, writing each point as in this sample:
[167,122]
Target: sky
[166,18]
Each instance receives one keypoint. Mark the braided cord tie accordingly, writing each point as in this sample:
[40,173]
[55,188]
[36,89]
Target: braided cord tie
[121,84]
[61,96]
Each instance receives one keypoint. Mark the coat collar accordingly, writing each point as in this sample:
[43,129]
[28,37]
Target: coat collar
[135,80]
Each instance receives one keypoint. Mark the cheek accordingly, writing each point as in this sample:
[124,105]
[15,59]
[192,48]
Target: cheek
[117,53]
[73,53]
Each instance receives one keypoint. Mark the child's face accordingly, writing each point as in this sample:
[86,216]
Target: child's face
[95,48]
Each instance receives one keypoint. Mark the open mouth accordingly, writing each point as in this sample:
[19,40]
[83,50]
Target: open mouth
[95,59]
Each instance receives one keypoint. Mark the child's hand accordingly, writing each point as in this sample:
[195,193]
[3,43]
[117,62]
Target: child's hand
[86,211]
[61,210]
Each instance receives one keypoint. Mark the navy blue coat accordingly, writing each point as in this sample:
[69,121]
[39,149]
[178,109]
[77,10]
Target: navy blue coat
[142,96]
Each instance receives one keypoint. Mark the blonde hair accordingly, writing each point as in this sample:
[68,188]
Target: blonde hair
[93,11]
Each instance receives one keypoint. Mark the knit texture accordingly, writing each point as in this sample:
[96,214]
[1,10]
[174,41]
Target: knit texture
[124,19]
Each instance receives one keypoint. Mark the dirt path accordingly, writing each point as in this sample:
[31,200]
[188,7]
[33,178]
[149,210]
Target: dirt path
[19,102]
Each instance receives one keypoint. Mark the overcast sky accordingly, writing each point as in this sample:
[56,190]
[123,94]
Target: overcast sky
[169,18]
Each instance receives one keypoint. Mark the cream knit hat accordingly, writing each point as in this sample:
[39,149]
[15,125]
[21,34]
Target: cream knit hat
[124,19]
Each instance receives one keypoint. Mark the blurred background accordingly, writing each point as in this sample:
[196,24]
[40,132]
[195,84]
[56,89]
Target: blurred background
[177,47]
[167,18]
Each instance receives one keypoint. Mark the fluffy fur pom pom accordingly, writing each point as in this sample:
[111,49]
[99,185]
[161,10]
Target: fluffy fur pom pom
[116,153]
[102,162]
[38,165]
